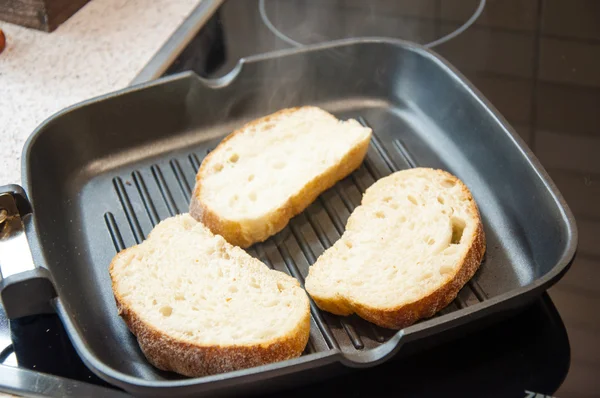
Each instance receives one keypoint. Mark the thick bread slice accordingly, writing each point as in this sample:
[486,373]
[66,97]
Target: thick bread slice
[408,249]
[200,306]
[271,169]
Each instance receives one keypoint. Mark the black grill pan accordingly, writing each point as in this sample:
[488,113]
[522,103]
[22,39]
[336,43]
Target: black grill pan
[101,174]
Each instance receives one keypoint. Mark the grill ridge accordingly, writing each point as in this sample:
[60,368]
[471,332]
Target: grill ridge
[262,255]
[146,198]
[164,190]
[324,239]
[195,162]
[399,145]
[316,313]
[311,258]
[138,235]
[477,290]
[181,180]
[113,229]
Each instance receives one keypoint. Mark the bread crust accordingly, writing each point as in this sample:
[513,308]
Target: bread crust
[404,315]
[233,231]
[194,360]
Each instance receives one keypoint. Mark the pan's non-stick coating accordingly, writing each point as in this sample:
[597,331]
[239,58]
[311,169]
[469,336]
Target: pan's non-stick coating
[102,174]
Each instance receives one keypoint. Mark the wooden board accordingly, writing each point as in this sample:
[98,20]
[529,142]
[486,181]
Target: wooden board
[44,15]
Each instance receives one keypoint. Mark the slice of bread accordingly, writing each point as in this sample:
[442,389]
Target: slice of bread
[271,169]
[408,249]
[200,306]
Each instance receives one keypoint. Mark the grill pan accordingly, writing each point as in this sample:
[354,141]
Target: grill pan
[101,174]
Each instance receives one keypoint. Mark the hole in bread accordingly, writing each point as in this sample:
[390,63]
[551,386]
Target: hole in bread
[268,126]
[166,310]
[280,164]
[188,333]
[228,299]
[154,302]
[440,200]
[412,200]
[394,206]
[233,200]
[447,183]
[251,177]
[402,219]
[194,308]
[254,283]
[348,244]
[458,228]
[280,287]
[233,289]
[188,224]
[430,241]
[220,273]
[179,297]
[387,199]
[270,303]
[379,214]
[450,250]
[252,196]
[218,167]
[234,157]
[446,269]
[425,276]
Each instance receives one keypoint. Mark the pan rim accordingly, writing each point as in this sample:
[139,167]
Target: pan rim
[433,326]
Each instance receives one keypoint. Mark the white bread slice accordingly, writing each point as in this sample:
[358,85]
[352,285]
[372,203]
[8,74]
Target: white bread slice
[200,306]
[271,169]
[408,249]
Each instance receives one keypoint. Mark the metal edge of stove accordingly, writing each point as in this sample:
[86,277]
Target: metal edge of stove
[28,383]
[178,41]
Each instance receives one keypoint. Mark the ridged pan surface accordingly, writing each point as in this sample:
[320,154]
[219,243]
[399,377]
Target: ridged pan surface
[100,175]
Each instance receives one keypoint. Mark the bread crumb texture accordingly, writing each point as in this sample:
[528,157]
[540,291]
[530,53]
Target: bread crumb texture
[271,169]
[200,306]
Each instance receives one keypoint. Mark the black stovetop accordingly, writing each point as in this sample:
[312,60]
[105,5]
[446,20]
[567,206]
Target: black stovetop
[538,62]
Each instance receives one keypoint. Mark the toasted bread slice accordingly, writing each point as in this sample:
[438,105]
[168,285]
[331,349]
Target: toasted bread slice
[201,306]
[408,249]
[271,169]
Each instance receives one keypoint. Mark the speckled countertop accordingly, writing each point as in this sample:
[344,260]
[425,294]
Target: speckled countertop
[99,49]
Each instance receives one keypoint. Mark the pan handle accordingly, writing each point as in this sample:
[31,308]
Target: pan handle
[24,288]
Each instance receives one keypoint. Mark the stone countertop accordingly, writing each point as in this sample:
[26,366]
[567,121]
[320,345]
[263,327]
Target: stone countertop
[99,49]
